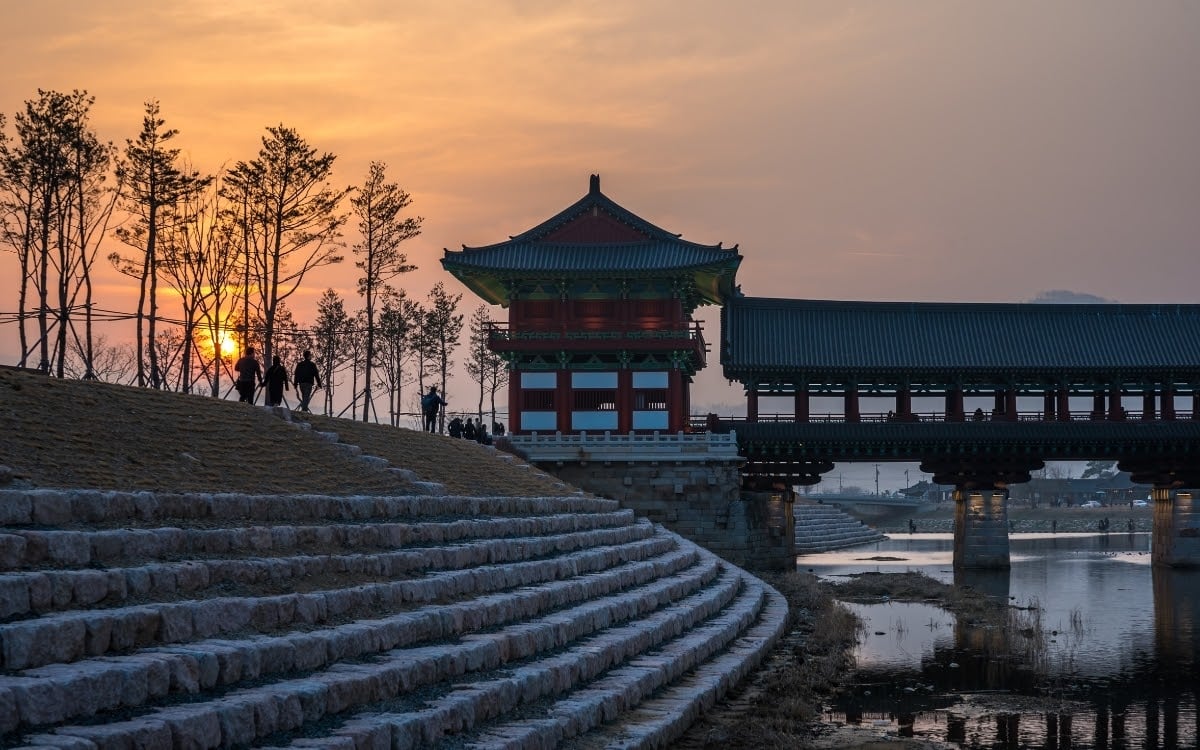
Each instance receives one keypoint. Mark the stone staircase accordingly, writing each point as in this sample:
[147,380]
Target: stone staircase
[821,528]
[136,620]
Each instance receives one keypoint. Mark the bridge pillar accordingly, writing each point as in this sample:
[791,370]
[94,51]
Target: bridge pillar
[1175,540]
[852,402]
[954,405]
[981,528]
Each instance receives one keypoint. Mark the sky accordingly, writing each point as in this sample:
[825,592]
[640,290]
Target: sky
[924,150]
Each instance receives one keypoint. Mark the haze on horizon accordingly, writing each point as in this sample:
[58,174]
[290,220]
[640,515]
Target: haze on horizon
[894,151]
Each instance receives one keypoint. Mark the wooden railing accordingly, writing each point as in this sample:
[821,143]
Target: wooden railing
[698,422]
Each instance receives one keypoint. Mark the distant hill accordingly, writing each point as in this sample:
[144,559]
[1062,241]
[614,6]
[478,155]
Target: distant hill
[87,434]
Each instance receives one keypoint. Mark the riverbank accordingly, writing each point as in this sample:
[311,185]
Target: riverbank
[1022,519]
[780,707]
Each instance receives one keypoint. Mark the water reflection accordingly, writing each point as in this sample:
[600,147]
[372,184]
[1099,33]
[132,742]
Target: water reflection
[1101,651]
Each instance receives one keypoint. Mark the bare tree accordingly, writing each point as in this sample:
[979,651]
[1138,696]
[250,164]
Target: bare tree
[200,262]
[398,323]
[484,366]
[53,174]
[156,190]
[378,206]
[442,330]
[328,334]
[290,220]
[110,363]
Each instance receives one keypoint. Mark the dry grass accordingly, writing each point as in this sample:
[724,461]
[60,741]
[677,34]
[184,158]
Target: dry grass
[77,434]
[781,703]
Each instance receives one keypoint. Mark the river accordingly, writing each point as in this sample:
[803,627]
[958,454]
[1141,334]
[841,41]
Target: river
[1102,651]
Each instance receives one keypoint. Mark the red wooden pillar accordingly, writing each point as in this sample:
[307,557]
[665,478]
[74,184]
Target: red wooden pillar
[1195,404]
[1098,405]
[1116,412]
[1010,404]
[676,414]
[954,405]
[852,414]
[752,404]
[1048,406]
[998,406]
[514,400]
[1064,404]
[564,401]
[1148,398]
[1168,401]
[802,402]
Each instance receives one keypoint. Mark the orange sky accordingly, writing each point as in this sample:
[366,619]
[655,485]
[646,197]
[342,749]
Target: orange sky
[917,150]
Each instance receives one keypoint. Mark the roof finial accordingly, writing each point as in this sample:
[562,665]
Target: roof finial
[594,186]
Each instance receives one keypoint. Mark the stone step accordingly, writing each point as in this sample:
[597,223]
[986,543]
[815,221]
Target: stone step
[653,700]
[667,715]
[30,549]
[678,635]
[69,636]
[247,714]
[95,509]
[821,528]
[61,692]
[50,590]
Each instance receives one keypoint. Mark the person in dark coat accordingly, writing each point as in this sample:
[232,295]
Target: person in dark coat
[304,378]
[276,380]
[469,431]
[455,427]
[431,406]
[249,375]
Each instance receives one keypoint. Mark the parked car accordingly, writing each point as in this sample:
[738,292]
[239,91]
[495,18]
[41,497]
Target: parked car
[1140,504]
[1091,504]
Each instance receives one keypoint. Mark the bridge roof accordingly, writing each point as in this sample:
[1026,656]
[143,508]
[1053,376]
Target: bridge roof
[764,338]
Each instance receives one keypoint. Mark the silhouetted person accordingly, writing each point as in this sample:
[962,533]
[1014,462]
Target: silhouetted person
[498,428]
[431,404]
[249,375]
[470,432]
[455,427]
[978,415]
[304,378]
[276,379]
[482,436]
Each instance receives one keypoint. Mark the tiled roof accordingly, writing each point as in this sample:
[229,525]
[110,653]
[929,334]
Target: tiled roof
[594,234]
[598,258]
[761,336]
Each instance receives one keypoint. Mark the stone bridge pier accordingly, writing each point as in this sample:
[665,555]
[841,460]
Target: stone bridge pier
[981,508]
[1175,539]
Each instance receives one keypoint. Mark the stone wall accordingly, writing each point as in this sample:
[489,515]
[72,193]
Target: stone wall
[701,502]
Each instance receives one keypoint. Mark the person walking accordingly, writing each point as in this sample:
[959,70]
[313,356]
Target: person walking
[431,404]
[304,378]
[249,376]
[469,431]
[276,379]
